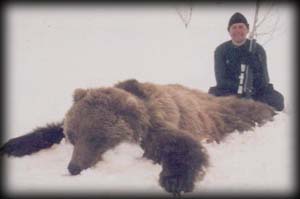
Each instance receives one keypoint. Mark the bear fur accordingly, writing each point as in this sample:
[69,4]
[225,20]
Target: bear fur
[168,121]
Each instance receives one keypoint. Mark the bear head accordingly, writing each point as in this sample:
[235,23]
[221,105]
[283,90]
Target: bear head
[98,120]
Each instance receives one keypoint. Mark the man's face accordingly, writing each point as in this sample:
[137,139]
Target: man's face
[238,32]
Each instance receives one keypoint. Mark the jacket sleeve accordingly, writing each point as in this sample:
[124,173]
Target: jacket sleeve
[261,76]
[220,71]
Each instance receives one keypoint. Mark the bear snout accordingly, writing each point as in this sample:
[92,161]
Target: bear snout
[74,169]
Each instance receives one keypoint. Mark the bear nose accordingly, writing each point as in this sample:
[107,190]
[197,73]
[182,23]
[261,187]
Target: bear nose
[74,169]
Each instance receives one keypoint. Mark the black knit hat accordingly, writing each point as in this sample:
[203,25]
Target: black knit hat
[237,18]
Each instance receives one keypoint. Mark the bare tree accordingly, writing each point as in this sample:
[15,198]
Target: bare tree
[184,11]
[268,22]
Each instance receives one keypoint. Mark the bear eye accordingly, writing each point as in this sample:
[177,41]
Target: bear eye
[96,141]
[72,137]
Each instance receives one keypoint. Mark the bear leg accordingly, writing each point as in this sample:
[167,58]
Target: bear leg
[40,138]
[182,158]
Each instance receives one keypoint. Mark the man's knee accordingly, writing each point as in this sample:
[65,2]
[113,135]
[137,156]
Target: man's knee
[272,98]
[278,100]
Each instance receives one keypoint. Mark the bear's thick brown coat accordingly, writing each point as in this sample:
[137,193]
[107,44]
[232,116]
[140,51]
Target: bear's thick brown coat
[168,121]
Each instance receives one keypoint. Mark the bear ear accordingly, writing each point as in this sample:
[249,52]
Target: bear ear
[133,86]
[79,93]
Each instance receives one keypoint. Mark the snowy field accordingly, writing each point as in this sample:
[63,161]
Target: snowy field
[53,50]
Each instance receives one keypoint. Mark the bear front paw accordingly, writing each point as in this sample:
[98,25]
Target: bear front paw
[176,183]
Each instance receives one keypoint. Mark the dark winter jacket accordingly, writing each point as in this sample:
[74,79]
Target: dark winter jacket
[228,59]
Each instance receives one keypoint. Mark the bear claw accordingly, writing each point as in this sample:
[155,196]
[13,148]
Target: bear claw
[176,184]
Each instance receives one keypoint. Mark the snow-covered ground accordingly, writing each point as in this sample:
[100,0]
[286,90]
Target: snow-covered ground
[51,50]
